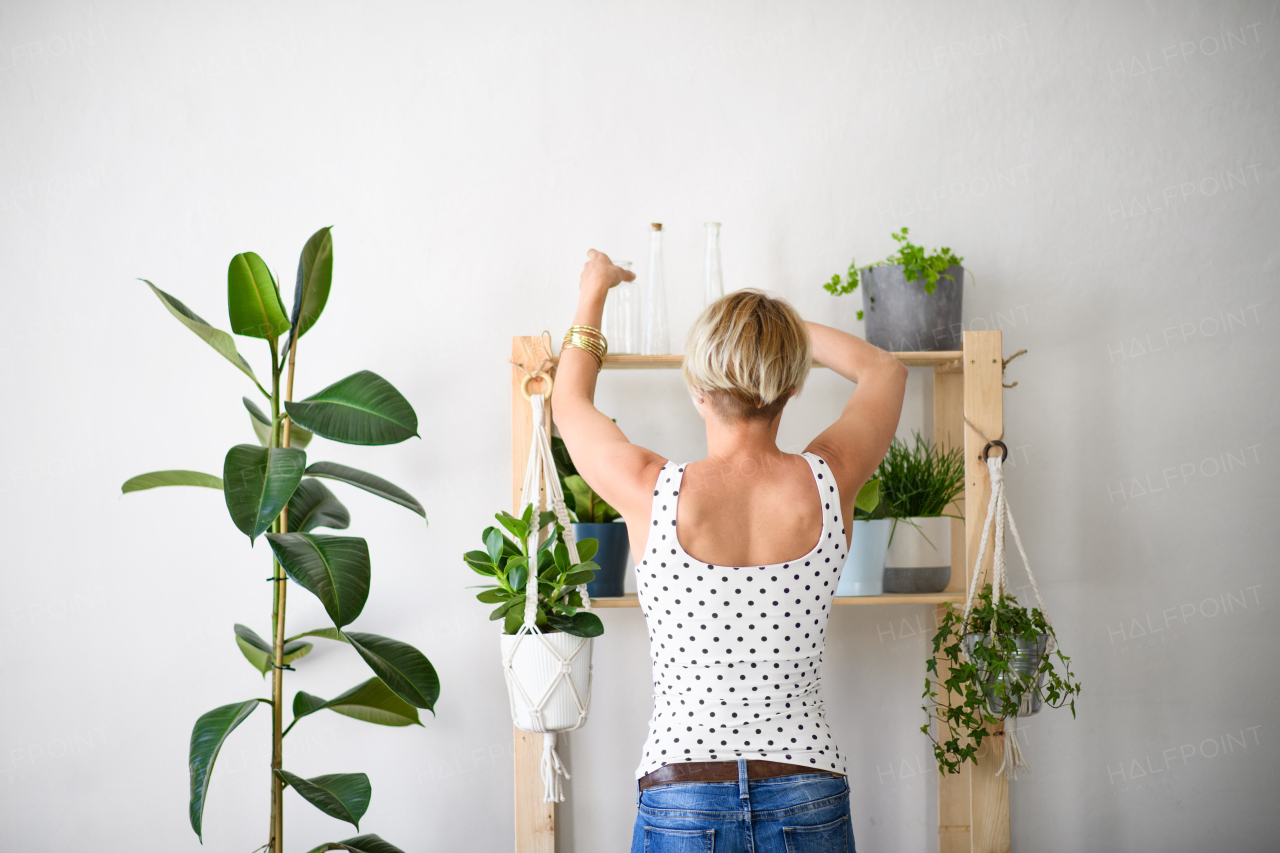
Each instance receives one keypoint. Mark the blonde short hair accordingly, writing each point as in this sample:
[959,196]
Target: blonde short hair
[749,353]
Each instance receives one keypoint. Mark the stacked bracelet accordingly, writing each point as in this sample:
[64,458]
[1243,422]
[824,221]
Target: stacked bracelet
[587,338]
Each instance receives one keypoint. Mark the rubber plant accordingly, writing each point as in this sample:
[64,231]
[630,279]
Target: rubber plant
[272,488]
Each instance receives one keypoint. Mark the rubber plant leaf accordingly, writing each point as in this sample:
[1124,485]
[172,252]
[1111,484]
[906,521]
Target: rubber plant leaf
[315,275]
[335,569]
[216,338]
[252,300]
[313,505]
[207,737]
[371,483]
[157,479]
[372,702]
[298,437]
[260,653]
[341,795]
[258,483]
[404,669]
[363,408]
[360,844]
[326,633]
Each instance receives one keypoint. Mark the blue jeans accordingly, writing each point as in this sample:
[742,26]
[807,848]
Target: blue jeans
[806,813]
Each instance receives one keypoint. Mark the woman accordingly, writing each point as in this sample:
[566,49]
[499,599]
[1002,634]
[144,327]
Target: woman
[734,589]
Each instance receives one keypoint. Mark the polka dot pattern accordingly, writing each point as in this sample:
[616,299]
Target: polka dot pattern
[737,650]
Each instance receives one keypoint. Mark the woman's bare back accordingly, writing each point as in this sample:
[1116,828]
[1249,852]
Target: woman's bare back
[757,511]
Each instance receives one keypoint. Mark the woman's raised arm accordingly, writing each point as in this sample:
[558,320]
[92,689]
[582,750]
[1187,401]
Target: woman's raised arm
[621,472]
[854,445]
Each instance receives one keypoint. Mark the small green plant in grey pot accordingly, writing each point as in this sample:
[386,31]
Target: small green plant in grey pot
[912,300]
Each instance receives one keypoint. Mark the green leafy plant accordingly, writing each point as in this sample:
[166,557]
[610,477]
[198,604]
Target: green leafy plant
[984,677]
[271,488]
[868,506]
[505,561]
[920,479]
[916,262]
[583,502]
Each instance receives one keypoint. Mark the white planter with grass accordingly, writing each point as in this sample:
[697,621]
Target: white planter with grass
[919,555]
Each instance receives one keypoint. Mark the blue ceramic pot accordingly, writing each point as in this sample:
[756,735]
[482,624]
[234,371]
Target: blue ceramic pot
[863,572]
[611,556]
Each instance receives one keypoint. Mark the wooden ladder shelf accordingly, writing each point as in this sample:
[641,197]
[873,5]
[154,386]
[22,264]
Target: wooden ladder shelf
[973,805]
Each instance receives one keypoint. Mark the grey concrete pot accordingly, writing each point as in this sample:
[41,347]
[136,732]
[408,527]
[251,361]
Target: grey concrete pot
[902,317]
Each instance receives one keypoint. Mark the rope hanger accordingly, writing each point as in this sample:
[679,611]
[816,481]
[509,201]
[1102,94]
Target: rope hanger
[541,487]
[997,513]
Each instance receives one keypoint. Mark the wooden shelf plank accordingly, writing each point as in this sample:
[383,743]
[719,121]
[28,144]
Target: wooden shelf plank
[941,358]
[630,599]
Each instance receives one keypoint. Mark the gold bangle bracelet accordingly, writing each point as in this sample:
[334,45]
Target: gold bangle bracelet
[590,332]
[587,344]
[592,344]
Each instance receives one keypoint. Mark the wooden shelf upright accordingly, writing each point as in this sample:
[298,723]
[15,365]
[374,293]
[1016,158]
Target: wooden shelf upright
[968,411]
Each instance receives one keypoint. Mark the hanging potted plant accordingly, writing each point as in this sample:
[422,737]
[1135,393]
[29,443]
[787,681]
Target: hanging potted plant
[918,484]
[912,299]
[863,572]
[546,638]
[994,662]
[594,519]
[998,666]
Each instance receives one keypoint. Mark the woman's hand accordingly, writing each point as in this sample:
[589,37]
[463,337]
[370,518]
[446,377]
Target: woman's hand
[599,273]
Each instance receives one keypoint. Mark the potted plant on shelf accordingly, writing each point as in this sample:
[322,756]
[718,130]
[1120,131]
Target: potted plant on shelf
[918,484]
[911,300]
[863,572]
[594,519]
[996,665]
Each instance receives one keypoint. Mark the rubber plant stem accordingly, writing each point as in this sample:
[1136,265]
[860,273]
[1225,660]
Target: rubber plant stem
[280,525]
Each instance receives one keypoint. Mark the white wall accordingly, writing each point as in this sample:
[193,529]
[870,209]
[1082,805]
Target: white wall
[1108,170]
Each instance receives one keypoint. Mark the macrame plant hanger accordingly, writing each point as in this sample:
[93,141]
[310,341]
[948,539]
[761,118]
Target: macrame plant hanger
[997,512]
[541,482]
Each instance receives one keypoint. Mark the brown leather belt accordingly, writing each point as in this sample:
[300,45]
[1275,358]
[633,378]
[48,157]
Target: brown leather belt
[721,771]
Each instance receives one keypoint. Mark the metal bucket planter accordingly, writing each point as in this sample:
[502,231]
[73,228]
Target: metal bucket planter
[1024,662]
[901,317]
[611,556]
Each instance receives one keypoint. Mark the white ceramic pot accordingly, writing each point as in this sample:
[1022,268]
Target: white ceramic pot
[552,667]
[863,572]
[924,543]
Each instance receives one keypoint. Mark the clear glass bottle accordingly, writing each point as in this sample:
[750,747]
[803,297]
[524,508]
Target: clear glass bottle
[621,322]
[657,335]
[715,275]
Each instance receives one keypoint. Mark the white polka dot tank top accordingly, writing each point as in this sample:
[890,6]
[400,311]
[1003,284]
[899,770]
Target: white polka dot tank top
[737,651]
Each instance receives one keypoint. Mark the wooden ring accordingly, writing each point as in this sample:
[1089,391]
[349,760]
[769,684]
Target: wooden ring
[524,383]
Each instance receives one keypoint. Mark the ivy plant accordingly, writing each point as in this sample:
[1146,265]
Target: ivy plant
[272,488]
[916,262]
[985,679]
[506,560]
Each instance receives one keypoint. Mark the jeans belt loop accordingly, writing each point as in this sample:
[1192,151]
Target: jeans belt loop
[743,791]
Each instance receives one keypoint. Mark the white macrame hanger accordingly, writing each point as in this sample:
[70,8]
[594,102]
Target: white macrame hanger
[997,513]
[540,479]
